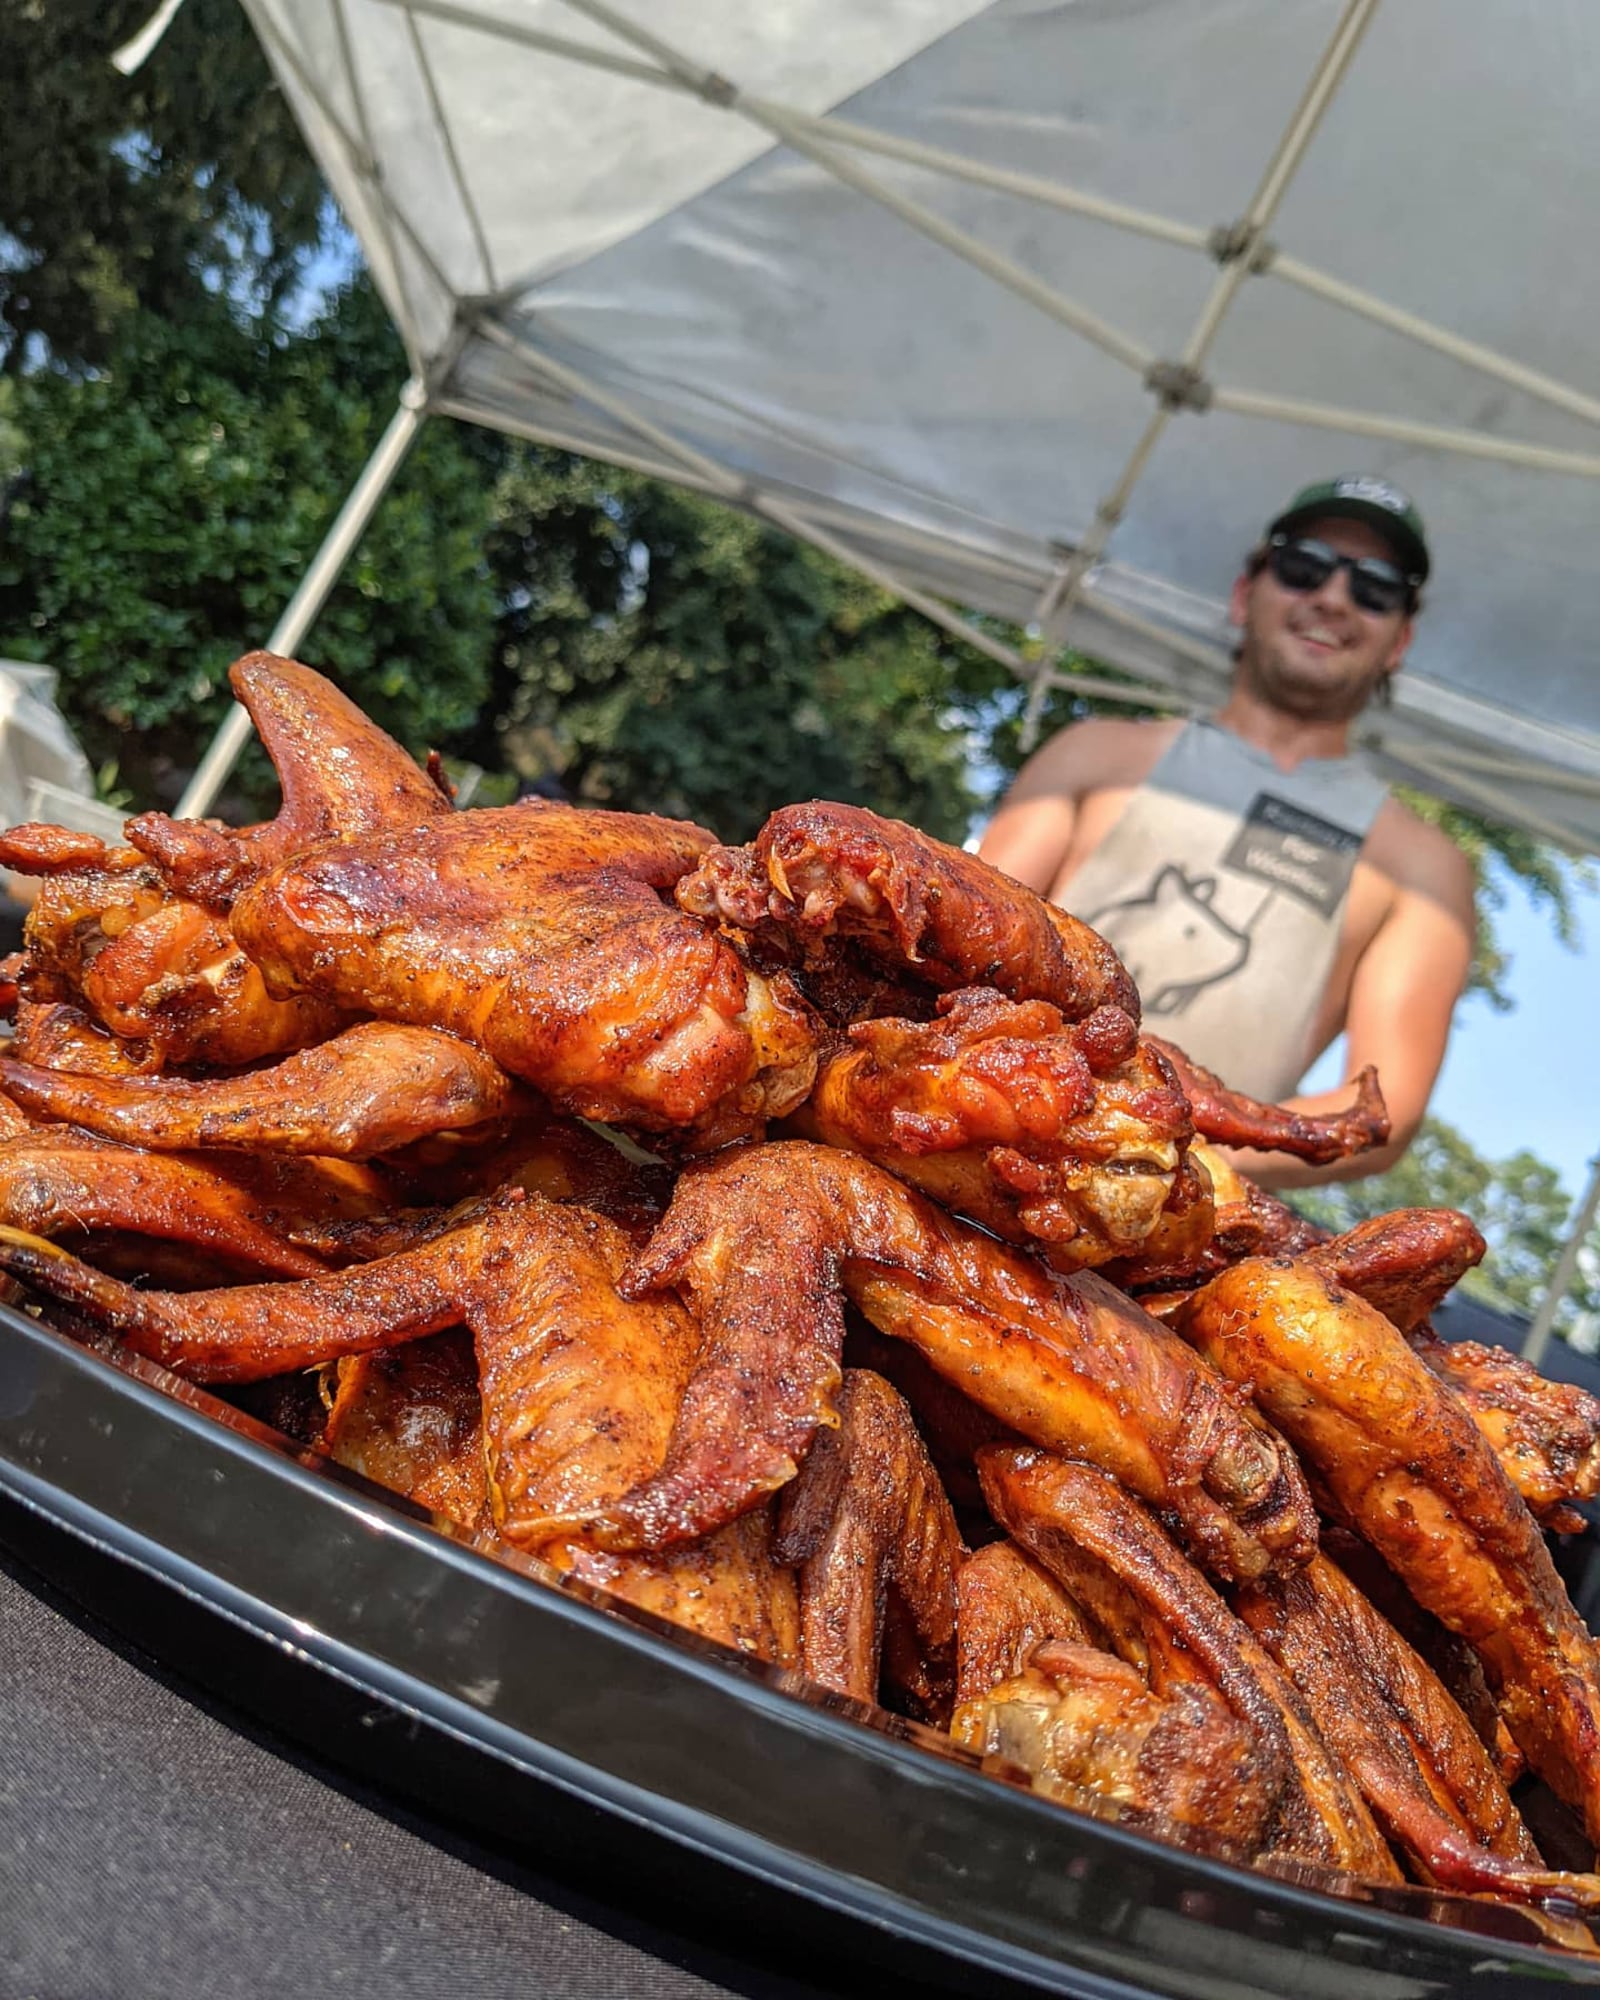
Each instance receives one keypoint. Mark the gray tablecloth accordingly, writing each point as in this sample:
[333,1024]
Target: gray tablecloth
[156,1842]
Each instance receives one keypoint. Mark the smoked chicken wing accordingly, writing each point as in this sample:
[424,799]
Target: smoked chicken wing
[870,1529]
[1064,1360]
[1080,1524]
[1007,1605]
[341,776]
[1401,1461]
[822,874]
[367,1091]
[262,1215]
[538,932]
[1546,1434]
[1229,1118]
[1418,1761]
[1069,1134]
[1084,1726]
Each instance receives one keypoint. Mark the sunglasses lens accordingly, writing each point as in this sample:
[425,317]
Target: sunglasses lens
[1375,586]
[1302,565]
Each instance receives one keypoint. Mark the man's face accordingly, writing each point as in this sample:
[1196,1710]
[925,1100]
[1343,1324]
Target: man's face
[1315,654]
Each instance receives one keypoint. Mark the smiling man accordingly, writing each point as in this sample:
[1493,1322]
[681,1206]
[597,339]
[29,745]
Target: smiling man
[1262,886]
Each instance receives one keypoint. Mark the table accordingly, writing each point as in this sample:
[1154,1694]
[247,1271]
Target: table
[160,1839]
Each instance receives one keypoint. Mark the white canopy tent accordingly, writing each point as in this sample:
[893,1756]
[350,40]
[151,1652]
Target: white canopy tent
[1037,307]
[1031,308]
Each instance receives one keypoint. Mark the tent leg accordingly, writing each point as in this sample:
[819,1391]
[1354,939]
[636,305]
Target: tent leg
[338,544]
[1537,1338]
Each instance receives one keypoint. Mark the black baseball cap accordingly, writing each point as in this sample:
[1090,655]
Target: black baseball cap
[1359,496]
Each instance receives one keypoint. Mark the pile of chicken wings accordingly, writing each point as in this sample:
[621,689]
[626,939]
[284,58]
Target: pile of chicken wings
[801,1242]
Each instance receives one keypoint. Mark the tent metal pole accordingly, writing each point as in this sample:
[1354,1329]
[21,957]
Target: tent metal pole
[829,129]
[1324,286]
[348,527]
[1436,437]
[1487,798]
[1325,79]
[1537,1338]
[719,90]
[1136,694]
[1048,298]
[731,487]
[448,142]
[1450,757]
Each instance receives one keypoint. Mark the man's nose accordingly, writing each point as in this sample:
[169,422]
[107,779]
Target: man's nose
[1334,590]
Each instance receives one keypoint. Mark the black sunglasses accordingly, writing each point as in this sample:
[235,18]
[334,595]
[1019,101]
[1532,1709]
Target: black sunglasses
[1375,586]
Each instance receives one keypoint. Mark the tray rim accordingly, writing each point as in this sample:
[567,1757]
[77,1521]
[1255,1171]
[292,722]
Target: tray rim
[178,1410]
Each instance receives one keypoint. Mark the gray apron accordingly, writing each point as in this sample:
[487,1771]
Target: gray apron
[1222,888]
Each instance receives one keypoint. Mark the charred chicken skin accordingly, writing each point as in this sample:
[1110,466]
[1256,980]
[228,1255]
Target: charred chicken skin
[1063,1360]
[538,932]
[1401,1461]
[1080,1525]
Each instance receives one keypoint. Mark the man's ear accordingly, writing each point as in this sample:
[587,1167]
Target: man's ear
[1397,652]
[1239,598]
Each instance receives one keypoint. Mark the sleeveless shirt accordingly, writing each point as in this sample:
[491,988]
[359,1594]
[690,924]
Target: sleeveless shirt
[1222,888]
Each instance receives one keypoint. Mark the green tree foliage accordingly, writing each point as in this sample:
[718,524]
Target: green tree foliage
[1518,1203]
[172,500]
[662,652]
[118,193]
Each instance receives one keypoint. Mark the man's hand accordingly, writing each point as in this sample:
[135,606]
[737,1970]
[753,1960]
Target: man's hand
[1402,998]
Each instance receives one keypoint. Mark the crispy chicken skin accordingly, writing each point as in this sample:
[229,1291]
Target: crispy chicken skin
[257,1214]
[820,874]
[1546,1434]
[1071,1134]
[1079,1524]
[866,1523]
[1064,1360]
[1006,1606]
[538,932]
[1402,1462]
[372,1089]
[1080,1721]
[1419,1763]
[341,776]
[1229,1118]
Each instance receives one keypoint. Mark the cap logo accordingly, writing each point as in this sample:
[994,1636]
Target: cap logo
[1377,491]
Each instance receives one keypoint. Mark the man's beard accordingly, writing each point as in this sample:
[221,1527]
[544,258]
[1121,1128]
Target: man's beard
[1302,696]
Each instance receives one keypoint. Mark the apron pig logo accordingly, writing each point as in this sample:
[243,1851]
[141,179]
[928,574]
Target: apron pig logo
[1172,941]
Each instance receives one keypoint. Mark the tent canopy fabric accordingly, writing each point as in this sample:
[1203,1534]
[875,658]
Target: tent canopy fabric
[1039,308]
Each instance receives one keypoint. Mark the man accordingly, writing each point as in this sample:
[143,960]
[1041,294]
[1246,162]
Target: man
[1265,891]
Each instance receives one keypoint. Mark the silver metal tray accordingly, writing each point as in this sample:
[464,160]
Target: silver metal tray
[870,1818]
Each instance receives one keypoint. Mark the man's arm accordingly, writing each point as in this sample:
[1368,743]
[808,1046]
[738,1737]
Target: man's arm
[1031,833]
[1402,1000]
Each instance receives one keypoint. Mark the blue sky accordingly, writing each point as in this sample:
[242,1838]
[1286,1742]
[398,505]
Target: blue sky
[1529,1079]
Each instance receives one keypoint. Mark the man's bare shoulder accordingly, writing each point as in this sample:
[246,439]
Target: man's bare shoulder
[1419,858]
[1098,752]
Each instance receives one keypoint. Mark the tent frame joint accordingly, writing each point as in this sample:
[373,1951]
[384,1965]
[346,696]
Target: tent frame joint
[1178,385]
[1243,242]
